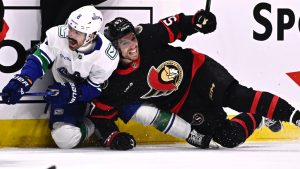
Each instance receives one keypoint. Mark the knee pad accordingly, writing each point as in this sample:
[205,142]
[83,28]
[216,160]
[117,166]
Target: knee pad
[231,136]
[65,135]
[237,130]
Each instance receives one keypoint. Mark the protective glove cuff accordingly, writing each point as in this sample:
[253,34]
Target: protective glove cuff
[24,80]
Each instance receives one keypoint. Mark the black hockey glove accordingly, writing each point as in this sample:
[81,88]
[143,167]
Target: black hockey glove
[120,141]
[204,22]
[67,93]
[16,88]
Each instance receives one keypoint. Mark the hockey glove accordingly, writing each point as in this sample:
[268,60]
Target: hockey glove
[16,88]
[66,94]
[204,22]
[120,141]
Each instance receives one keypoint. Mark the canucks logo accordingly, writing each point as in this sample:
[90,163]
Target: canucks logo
[164,80]
[111,52]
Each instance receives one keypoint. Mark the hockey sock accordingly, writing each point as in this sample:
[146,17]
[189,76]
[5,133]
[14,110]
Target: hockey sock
[248,121]
[87,128]
[172,124]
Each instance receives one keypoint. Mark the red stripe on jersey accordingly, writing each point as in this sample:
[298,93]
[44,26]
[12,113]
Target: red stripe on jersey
[253,121]
[242,123]
[105,117]
[179,35]
[103,106]
[198,61]
[135,65]
[272,107]
[171,34]
[255,102]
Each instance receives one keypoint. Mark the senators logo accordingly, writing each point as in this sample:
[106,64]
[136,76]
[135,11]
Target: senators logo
[164,80]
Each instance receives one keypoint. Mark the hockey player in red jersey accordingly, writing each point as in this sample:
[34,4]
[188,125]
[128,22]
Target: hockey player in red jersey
[164,86]
[3,25]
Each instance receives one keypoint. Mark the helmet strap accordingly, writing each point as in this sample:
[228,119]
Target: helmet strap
[88,44]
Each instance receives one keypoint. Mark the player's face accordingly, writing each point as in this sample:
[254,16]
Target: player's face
[76,38]
[128,45]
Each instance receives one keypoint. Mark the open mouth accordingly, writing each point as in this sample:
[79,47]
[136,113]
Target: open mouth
[72,42]
[133,52]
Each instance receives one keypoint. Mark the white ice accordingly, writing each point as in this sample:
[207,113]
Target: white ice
[251,155]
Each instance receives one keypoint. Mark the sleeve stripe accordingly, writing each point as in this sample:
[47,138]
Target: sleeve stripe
[41,63]
[43,59]
[93,84]
[171,34]
[46,56]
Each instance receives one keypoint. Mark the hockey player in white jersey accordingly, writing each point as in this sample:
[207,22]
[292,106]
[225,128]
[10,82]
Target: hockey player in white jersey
[81,59]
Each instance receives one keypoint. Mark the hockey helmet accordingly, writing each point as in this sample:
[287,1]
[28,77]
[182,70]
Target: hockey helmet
[86,19]
[118,28]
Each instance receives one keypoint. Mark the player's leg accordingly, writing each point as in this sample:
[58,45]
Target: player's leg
[68,125]
[266,104]
[219,86]
[172,124]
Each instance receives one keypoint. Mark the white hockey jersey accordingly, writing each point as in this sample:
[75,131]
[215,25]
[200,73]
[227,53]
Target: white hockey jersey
[72,66]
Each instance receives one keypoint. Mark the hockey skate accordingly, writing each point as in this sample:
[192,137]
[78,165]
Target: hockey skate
[274,126]
[201,141]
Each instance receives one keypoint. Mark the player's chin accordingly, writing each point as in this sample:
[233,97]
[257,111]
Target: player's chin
[73,47]
[133,56]
[125,62]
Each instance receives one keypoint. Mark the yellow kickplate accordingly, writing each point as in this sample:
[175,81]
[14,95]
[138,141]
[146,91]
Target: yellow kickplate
[35,133]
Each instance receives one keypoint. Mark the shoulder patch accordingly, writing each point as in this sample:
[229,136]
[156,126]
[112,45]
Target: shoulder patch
[111,52]
[62,31]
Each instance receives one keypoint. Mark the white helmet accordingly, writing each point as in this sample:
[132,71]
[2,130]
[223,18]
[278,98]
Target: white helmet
[86,19]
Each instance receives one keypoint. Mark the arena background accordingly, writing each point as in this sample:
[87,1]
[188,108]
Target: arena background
[271,64]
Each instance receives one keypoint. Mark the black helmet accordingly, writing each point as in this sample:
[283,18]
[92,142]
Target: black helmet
[118,28]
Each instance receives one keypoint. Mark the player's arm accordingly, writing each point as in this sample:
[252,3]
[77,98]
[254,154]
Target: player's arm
[180,26]
[39,62]
[36,65]
[104,116]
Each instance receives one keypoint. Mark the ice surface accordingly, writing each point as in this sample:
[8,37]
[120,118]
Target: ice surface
[251,155]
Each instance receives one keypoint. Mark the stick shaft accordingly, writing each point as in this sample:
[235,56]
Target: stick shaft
[207,6]
[35,94]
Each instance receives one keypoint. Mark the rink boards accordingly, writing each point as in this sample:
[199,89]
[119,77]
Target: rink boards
[35,133]
[256,63]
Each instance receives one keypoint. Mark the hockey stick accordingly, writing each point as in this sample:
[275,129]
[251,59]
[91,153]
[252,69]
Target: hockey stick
[207,6]
[50,93]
